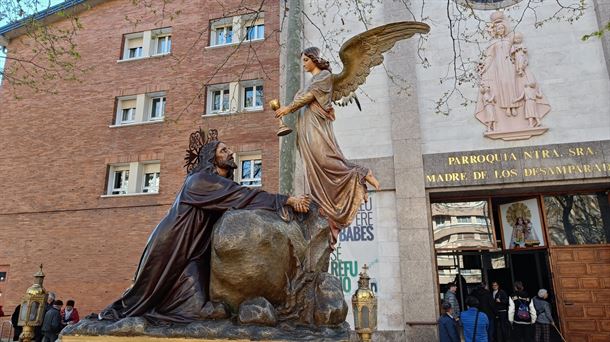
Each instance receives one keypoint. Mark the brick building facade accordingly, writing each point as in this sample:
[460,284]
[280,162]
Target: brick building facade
[59,151]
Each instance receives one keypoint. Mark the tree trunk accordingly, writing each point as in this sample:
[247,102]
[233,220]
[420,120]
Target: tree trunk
[604,209]
[567,225]
[292,84]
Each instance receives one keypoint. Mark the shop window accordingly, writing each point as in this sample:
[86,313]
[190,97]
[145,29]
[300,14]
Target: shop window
[454,227]
[578,219]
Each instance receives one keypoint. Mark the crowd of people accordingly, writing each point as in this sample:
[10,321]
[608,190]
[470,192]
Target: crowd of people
[493,316]
[56,317]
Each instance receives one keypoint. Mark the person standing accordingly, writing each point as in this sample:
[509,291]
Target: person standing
[15,320]
[451,298]
[501,308]
[521,314]
[474,322]
[69,314]
[48,305]
[447,325]
[544,317]
[486,305]
[51,326]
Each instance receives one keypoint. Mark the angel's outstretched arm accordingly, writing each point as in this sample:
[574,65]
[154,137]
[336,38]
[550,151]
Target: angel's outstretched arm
[299,102]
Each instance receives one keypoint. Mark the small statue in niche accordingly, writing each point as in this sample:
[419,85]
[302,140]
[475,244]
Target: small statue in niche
[518,54]
[531,95]
[489,103]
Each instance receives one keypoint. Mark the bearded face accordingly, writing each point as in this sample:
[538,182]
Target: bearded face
[224,157]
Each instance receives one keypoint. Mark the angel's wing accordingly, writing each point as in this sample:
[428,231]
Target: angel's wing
[364,51]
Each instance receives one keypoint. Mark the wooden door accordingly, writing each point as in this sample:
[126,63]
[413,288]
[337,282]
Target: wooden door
[581,275]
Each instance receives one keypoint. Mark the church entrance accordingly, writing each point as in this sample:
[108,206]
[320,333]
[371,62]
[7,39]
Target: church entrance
[556,241]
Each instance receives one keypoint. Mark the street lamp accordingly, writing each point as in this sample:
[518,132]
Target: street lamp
[364,305]
[32,309]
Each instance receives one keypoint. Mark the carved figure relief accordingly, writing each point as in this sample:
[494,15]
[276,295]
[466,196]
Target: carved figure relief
[511,104]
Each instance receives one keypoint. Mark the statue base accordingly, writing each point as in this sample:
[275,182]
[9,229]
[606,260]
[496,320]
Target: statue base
[135,339]
[516,135]
[138,329]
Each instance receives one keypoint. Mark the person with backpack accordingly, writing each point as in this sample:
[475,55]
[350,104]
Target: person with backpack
[521,314]
[544,318]
[474,322]
[447,325]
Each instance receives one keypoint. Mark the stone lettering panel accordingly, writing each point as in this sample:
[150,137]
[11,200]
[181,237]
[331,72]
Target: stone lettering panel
[516,165]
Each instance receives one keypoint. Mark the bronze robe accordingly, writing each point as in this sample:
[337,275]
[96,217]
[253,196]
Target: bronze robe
[337,185]
[172,279]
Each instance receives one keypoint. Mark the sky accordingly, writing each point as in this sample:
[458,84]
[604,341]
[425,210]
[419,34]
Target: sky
[3,21]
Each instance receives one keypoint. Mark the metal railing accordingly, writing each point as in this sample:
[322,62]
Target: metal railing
[3,336]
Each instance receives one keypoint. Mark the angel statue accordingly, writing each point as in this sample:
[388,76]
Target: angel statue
[338,186]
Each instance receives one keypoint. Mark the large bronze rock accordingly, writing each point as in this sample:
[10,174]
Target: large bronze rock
[257,254]
[254,253]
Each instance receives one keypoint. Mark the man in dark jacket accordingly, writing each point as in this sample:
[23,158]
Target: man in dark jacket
[501,308]
[486,305]
[51,326]
[447,326]
[47,306]
[15,320]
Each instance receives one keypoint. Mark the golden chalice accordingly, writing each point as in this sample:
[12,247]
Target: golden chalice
[283,130]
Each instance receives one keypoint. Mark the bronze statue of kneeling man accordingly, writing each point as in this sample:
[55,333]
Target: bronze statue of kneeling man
[172,280]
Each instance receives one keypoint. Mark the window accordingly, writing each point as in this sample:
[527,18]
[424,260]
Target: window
[134,45]
[454,227]
[234,97]
[144,178]
[141,108]
[148,43]
[578,219]
[250,170]
[151,177]
[157,109]
[481,219]
[223,35]
[442,220]
[135,52]
[231,30]
[463,219]
[119,179]
[126,111]
[164,44]
[220,100]
[2,276]
[253,97]
[255,32]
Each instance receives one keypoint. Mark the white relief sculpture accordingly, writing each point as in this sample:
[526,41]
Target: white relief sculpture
[531,95]
[518,54]
[508,86]
[489,102]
